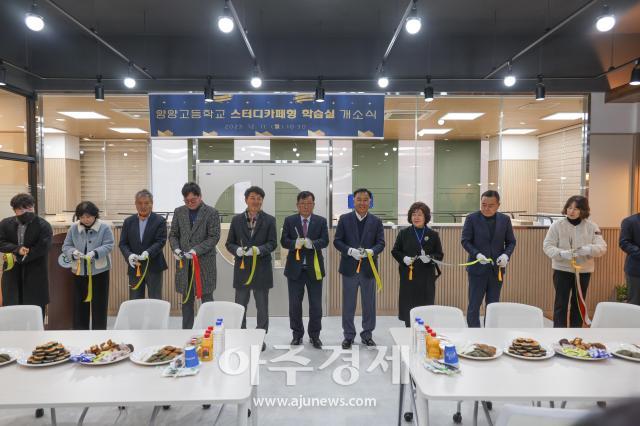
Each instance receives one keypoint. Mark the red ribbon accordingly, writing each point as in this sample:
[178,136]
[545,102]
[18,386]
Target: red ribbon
[196,269]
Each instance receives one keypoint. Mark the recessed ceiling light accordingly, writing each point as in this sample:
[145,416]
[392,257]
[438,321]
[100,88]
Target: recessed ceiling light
[60,119]
[565,116]
[517,131]
[462,115]
[84,115]
[127,130]
[443,93]
[52,130]
[423,132]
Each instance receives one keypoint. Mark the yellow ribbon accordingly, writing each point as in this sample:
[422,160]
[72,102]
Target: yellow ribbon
[298,254]
[144,274]
[254,261]
[411,272]
[90,285]
[459,264]
[375,271]
[186,298]
[316,265]
[8,258]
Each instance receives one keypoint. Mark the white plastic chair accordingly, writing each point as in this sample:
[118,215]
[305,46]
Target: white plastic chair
[21,318]
[230,312]
[616,315]
[513,315]
[143,314]
[437,316]
[522,415]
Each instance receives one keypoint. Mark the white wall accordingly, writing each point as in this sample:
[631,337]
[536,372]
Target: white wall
[415,175]
[613,117]
[168,172]
[61,146]
[513,148]
[251,149]
[342,176]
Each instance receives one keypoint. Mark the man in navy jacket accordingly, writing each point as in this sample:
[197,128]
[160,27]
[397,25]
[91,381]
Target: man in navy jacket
[358,234]
[630,244]
[305,235]
[488,238]
[142,240]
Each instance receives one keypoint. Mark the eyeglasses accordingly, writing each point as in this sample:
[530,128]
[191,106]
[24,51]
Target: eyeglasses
[306,203]
[191,200]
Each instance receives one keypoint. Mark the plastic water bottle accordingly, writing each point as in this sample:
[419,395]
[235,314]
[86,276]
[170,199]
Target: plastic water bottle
[420,338]
[414,334]
[218,338]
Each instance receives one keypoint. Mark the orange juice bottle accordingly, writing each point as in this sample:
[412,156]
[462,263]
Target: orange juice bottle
[433,346]
[207,347]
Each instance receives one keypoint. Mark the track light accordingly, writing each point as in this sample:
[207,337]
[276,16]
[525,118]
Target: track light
[413,23]
[3,74]
[129,81]
[208,91]
[383,80]
[319,91]
[33,20]
[428,91]
[510,79]
[606,21]
[635,74]
[99,89]
[256,80]
[540,89]
[225,21]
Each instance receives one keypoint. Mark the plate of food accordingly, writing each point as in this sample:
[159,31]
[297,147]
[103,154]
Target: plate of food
[480,351]
[529,349]
[46,355]
[104,354]
[156,355]
[578,348]
[8,355]
[628,351]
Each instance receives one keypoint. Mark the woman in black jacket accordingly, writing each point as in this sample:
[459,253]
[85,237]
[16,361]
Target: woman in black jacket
[414,250]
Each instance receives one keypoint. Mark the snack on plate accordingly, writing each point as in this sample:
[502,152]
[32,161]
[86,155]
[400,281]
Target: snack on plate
[580,349]
[167,353]
[4,357]
[528,348]
[480,350]
[48,353]
[628,353]
[104,353]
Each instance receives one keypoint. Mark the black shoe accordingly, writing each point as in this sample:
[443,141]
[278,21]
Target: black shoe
[39,412]
[166,407]
[316,342]
[206,406]
[346,344]
[264,346]
[369,342]
[296,341]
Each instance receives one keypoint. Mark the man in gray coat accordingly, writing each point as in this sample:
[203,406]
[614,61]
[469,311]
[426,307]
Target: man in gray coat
[195,230]
[253,231]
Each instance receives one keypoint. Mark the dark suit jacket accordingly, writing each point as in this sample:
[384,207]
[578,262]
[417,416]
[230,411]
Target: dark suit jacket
[33,273]
[317,231]
[264,237]
[347,236]
[630,244]
[153,241]
[476,239]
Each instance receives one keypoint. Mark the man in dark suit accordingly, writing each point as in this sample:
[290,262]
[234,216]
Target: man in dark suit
[305,235]
[630,244]
[141,242]
[488,238]
[358,235]
[195,229]
[253,232]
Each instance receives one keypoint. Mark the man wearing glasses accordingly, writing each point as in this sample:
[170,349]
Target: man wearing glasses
[305,235]
[195,230]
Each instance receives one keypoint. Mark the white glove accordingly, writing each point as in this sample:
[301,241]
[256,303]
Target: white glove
[249,251]
[425,258]
[502,261]
[369,252]
[144,255]
[407,260]
[239,252]
[90,255]
[482,259]
[76,254]
[189,254]
[566,254]
[133,260]
[177,253]
[308,243]
[584,251]
[355,253]
[299,243]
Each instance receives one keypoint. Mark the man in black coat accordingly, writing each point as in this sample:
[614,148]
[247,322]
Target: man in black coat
[141,242]
[305,235]
[630,244]
[27,239]
[253,232]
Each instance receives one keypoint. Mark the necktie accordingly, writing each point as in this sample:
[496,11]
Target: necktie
[305,227]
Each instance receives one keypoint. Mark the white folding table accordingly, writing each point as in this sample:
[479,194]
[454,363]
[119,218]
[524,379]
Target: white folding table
[124,383]
[510,379]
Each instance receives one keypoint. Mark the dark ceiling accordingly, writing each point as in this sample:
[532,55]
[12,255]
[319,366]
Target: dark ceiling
[296,41]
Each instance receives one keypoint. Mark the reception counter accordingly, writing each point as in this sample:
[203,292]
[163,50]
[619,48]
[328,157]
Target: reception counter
[528,279]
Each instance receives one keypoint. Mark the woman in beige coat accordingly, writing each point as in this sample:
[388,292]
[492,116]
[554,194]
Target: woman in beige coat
[571,243]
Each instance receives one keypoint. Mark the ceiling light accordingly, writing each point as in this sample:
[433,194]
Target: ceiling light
[383,82]
[84,115]
[208,91]
[414,23]
[225,21]
[99,90]
[540,89]
[428,91]
[509,79]
[423,132]
[130,82]
[127,130]
[441,122]
[256,81]
[60,119]
[52,130]
[319,97]
[3,75]
[462,115]
[33,20]
[517,131]
[564,116]
[635,74]
[606,21]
